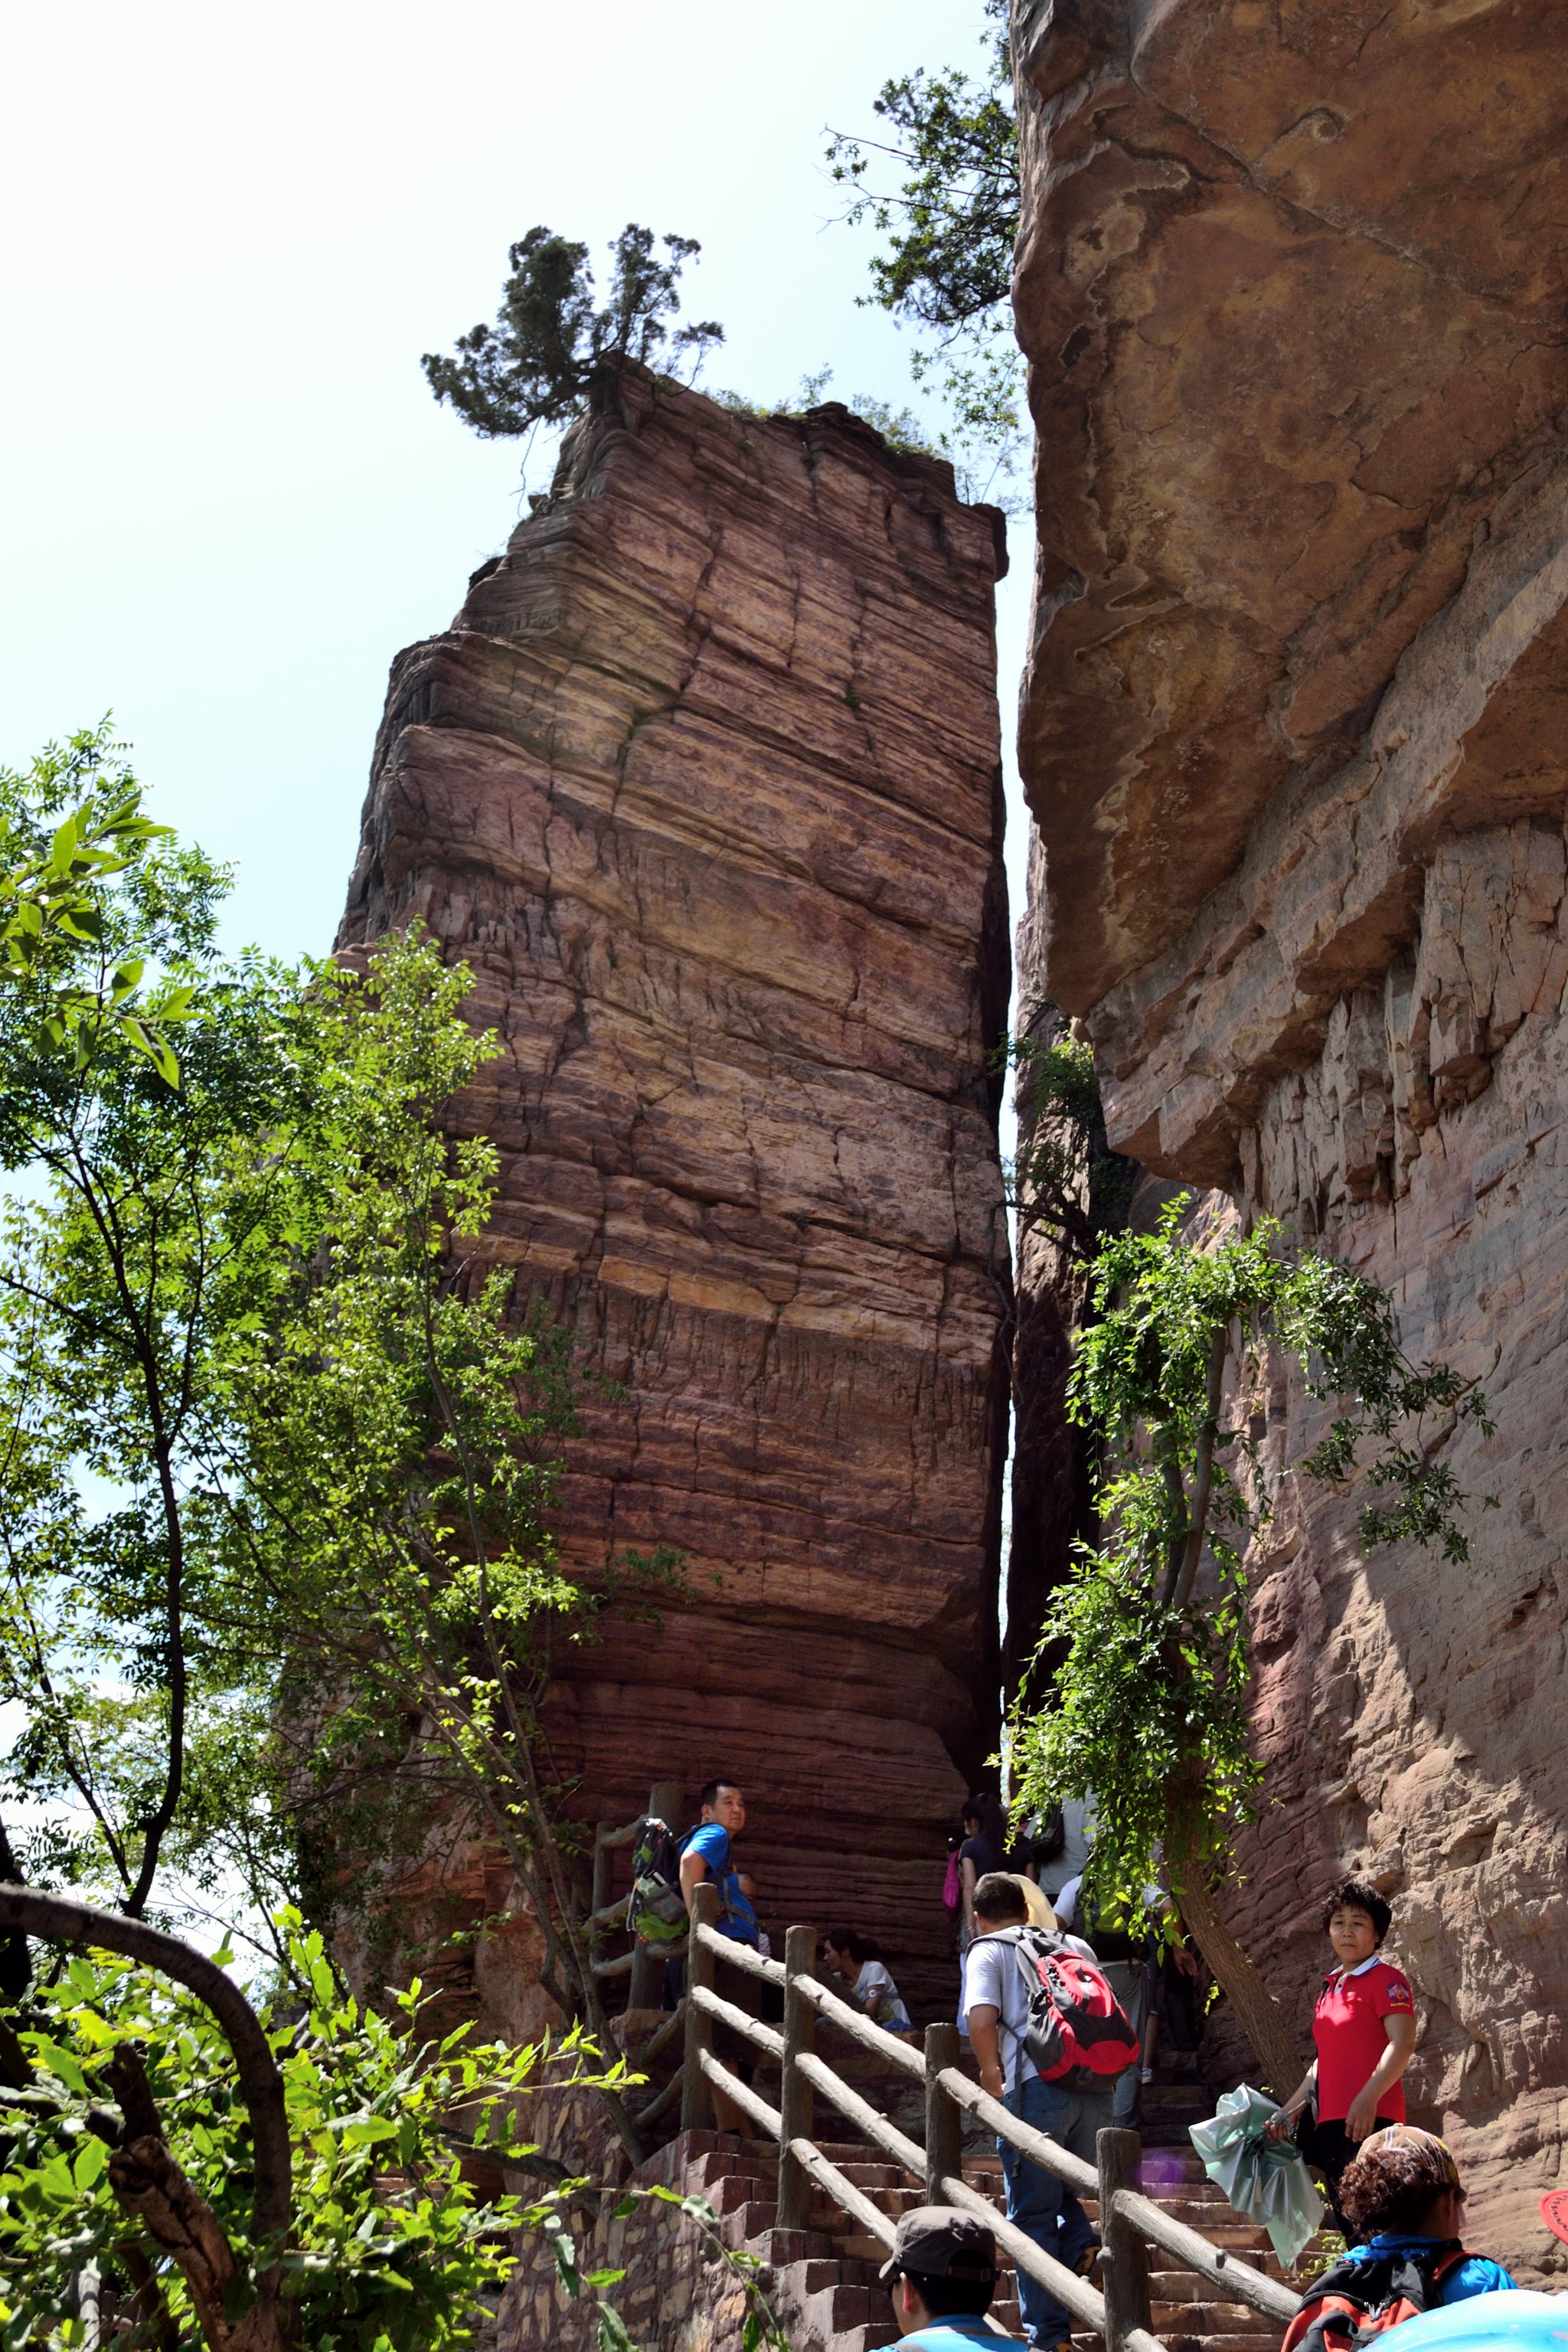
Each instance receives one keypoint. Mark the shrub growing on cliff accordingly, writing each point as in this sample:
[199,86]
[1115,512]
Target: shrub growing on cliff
[943,187]
[1150,1709]
[549,344]
[1066,1180]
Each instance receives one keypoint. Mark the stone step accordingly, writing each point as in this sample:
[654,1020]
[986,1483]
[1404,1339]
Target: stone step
[1207,2319]
[744,2222]
[832,2310]
[1176,2285]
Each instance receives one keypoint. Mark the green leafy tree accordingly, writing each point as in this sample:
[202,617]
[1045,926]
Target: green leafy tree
[277,1452]
[60,960]
[115,1260]
[943,187]
[1150,1708]
[550,347]
[131,2161]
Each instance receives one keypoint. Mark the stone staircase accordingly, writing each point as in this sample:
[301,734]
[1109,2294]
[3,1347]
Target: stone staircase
[822,2279]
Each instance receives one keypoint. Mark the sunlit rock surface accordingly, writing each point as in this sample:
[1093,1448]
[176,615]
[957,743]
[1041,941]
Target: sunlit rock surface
[703,783]
[1292,286]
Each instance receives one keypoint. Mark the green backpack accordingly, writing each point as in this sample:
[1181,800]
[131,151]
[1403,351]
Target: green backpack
[655,1914]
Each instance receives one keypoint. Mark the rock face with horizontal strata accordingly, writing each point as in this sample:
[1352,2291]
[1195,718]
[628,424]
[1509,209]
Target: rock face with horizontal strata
[1292,286]
[703,783]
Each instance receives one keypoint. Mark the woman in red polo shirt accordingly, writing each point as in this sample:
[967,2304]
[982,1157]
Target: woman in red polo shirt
[1364,2027]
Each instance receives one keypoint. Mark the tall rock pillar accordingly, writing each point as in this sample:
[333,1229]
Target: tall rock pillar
[703,785]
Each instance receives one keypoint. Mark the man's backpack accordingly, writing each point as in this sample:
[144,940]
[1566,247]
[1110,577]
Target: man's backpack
[1355,2301]
[655,1914]
[1077,2026]
[1050,1841]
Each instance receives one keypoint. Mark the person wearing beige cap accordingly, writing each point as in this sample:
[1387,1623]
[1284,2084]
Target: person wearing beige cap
[941,2276]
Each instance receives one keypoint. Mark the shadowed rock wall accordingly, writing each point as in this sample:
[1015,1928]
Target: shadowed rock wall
[1292,284]
[703,783]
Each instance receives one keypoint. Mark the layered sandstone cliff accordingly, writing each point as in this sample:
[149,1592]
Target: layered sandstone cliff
[703,785]
[1292,285]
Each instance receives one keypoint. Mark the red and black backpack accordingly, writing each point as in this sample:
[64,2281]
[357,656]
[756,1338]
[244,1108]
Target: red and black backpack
[1355,2301]
[1077,2026]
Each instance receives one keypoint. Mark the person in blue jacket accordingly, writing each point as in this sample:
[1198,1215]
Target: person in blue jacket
[1404,2198]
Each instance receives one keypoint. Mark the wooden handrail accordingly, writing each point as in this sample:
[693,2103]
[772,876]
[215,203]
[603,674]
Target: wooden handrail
[616,1967]
[613,1914]
[740,2020]
[745,2098]
[602,1837]
[1085,2303]
[667,2098]
[740,1955]
[877,2128]
[860,2029]
[844,2192]
[1128,2217]
[1038,2146]
[1235,2280]
[662,2039]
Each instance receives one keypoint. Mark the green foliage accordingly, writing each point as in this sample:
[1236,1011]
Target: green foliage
[951,217]
[278,1444]
[900,427]
[118,1264]
[1066,1180]
[1149,1706]
[73,952]
[549,344]
[391,2247]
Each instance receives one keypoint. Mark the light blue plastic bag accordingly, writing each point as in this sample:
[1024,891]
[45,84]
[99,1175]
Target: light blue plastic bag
[1265,2179]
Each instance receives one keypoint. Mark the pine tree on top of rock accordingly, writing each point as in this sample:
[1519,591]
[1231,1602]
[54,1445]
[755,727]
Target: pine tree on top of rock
[537,363]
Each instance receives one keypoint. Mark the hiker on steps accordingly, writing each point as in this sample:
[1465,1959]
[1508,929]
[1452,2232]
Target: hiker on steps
[985,1849]
[1404,2202]
[941,2276]
[856,1961]
[1364,2027]
[1073,2108]
[705,1855]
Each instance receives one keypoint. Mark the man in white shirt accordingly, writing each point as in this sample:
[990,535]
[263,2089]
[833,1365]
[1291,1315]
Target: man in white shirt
[996,2007]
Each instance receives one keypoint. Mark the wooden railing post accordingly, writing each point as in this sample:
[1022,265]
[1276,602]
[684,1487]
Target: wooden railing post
[697,2092]
[796,2099]
[647,1988]
[1124,2262]
[944,2120]
[603,1865]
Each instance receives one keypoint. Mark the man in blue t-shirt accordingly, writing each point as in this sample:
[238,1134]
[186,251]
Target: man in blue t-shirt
[705,1853]
[941,2276]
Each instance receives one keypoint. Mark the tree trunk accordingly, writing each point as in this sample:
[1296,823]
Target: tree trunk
[1262,2019]
[150,2188]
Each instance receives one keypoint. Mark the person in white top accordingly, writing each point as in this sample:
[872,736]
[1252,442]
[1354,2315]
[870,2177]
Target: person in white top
[1078,1837]
[996,2007]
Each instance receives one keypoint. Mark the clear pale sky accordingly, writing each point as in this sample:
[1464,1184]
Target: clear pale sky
[229,498]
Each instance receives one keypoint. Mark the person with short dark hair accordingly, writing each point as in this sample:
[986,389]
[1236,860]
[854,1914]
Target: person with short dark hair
[857,1961]
[705,1854]
[942,2276]
[996,2007]
[1364,2028]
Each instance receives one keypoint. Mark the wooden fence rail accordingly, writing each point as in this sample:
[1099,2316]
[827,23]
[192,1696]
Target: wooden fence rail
[1117,2311]
[1129,2222]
